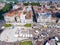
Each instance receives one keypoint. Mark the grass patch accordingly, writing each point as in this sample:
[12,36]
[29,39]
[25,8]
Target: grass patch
[27,25]
[58,41]
[8,25]
[25,43]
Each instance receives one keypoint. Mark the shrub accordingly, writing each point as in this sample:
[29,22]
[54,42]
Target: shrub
[8,25]
[27,25]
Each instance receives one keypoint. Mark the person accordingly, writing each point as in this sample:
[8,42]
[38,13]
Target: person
[56,38]
[48,43]
[45,42]
[52,42]
[37,15]
[57,14]
[52,13]
[15,19]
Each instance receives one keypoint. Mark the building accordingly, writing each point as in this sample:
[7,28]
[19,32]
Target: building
[2,5]
[12,16]
[17,15]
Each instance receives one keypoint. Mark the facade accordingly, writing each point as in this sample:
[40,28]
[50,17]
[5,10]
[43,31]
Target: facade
[2,5]
[44,18]
[9,19]
[12,16]
[18,15]
[16,7]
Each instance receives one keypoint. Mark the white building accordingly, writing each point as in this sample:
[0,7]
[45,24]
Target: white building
[29,8]
[44,18]
[13,17]
[9,19]
[16,7]
[2,5]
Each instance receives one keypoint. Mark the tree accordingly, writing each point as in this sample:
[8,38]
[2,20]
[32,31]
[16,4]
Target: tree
[5,9]
[33,4]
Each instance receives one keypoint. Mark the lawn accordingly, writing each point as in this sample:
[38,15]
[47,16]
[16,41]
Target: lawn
[27,25]
[26,43]
[58,42]
[8,25]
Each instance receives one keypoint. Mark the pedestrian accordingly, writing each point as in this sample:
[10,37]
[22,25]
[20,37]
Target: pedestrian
[52,42]
[57,14]
[48,43]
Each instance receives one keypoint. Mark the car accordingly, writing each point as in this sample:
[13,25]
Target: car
[1,30]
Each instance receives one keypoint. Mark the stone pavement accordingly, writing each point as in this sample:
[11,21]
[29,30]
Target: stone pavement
[44,34]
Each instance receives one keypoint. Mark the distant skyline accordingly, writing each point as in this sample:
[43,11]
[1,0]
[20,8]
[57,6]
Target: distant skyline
[28,0]
[36,0]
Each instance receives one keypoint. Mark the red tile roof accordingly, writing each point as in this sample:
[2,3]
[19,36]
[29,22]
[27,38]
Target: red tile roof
[19,13]
[13,12]
[29,15]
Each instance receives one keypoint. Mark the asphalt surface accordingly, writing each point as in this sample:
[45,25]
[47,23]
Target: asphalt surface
[2,23]
[47,31]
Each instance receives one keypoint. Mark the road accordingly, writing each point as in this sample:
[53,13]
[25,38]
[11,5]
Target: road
[2,23]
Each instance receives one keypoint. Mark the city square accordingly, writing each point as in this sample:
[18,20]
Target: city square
[30,23]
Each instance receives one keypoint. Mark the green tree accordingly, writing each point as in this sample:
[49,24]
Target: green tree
[5,9]
[33,3]
[2,0]
[26,4]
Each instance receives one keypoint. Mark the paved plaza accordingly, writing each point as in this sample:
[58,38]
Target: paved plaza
[17,33]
